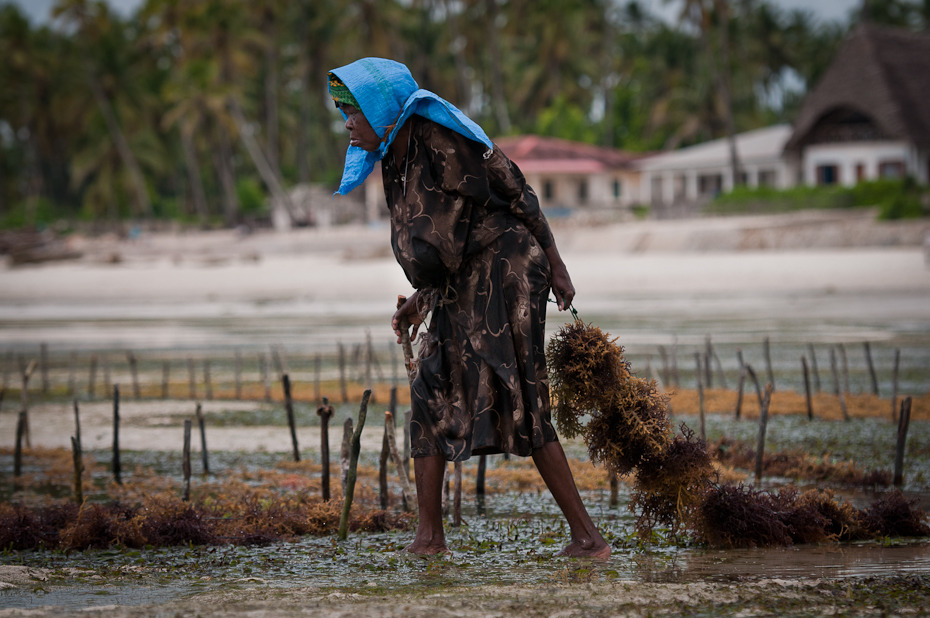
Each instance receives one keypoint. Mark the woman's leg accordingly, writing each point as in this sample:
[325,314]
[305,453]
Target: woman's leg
[429,473]
[553,467]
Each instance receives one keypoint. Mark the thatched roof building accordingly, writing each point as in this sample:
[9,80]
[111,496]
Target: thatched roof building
[869,116]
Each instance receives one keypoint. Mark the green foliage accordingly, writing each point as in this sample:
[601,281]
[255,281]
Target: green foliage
[895,199]
[250,195]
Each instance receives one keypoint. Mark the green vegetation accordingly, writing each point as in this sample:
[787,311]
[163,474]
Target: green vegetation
[106,117]
[895,199]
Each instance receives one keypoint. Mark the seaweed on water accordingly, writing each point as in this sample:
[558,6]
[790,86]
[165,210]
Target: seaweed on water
[671,484]
[894,515]
[739,516]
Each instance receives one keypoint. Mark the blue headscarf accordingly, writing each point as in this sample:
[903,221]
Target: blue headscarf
[387,96]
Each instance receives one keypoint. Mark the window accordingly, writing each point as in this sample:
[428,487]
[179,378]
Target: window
[548,193]
[860,172]
[828,174]
[891,169]
[617,189]
[582,191]
[710,184]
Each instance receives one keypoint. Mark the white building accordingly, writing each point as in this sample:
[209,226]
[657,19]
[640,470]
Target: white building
[697,174]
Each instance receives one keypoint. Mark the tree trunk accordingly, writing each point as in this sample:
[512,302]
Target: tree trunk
[224,170]
[143,206]
[196,180]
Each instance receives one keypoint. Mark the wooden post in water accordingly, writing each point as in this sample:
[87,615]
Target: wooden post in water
[894,385]
[203,439]
[117,472]
[871,366]
[266,375]
[807,389]
[403,475]
[207,379]
[238,375]
[26,370]
[355,447]
[165,378]
[700,390]
[614,491]
[768,362]
[325,412]
[383,464]
[674,359]
[343,389]
[479,477]
[43,365]
[186,463]
[92,378]
[72,368]
[77,457]
[191,378]
[763,421]
[134,370]
[18,451]
[814,370]
[346,453]
[903,421]
[708,368]
[844,365]
[740,384]
[837,385]
[289,408]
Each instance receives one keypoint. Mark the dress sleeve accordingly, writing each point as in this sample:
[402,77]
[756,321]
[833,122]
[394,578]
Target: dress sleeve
[495,182]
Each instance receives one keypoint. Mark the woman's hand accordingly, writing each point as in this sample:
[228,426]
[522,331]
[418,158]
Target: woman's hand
[562,286]
[407,315]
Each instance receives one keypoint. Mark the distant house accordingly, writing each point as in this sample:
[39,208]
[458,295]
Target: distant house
[869,116]
[574,176]
[696,174]
[567,176]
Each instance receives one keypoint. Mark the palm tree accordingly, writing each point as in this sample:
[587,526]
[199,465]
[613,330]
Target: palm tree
[91,20]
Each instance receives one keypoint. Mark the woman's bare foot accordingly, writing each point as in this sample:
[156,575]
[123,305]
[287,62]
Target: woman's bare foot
[427,549]
[588,548]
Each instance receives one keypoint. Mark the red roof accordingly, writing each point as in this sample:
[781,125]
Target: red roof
[535,154]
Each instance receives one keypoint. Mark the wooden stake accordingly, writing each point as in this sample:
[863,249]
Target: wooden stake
[356,447]
[807,389]
[18,451]
[894,385]
[383,463]
[165,378]
[203,439]
[409,499]
[92,378]
[700,390]
[342,374]
[238,375]
[26,370]
[78,461]
[346,454]
[291,422]
[768,362]
[740,384]
[614,491]
[814,370]
[844,365]
[134,370]
[837,388]
[763,421]
[207,379]
[325,412]
[117,472]
[186,464]
[871,366]
[708,355]
[43,362]
[191,378]
[903,421]
[266,375]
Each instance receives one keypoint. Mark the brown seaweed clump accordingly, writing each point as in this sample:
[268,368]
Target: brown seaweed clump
[670,485]
[739,516]
[894,515]
[627,416]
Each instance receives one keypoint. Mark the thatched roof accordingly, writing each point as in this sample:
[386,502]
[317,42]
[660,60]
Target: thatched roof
[878,87]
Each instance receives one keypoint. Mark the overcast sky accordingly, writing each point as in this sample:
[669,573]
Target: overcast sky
[833,10]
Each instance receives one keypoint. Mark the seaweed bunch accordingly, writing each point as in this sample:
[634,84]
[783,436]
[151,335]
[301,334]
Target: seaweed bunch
[841,520]
[669,486]
[627,416]
[895,515]
[740,516]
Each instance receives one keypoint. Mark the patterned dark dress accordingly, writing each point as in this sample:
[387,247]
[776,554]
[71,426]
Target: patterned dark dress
[470,236]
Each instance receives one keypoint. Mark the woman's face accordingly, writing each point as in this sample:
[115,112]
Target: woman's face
[360,132]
